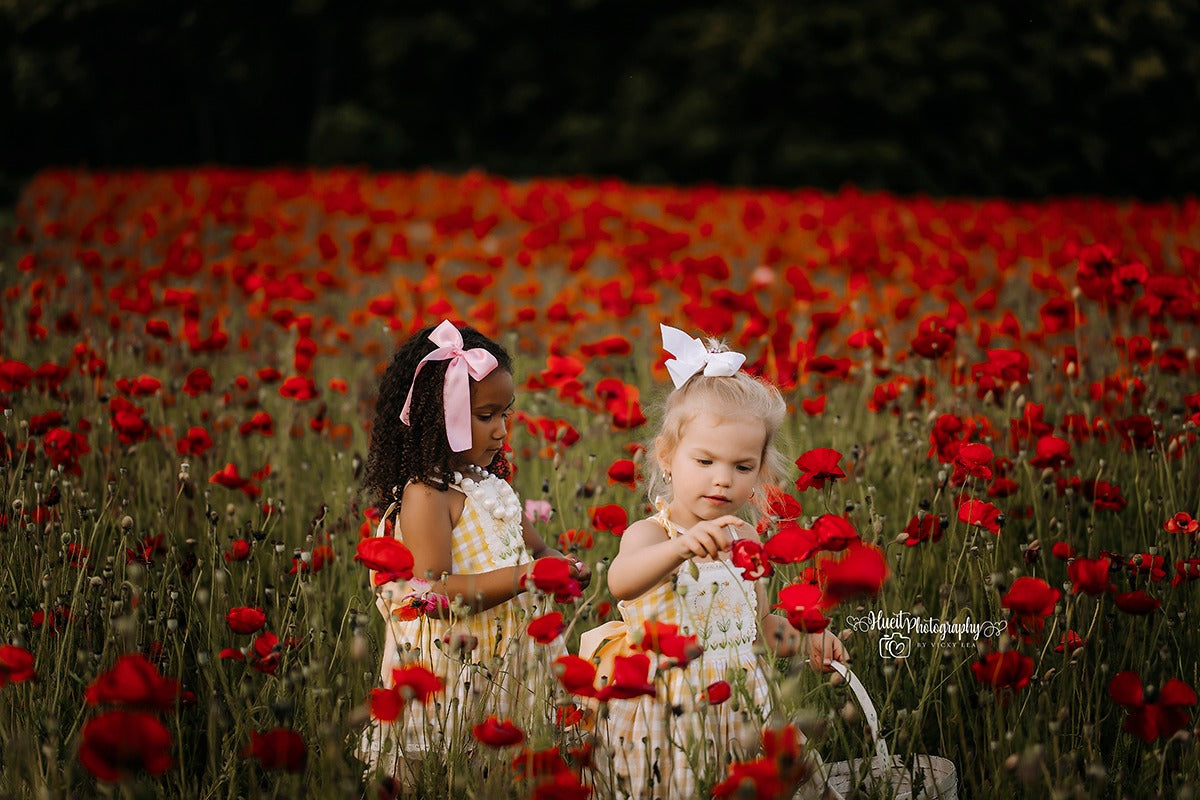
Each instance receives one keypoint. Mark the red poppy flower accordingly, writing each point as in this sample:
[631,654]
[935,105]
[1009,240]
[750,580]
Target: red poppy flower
[974,460]
[280,748]
[1031,601]
[665,639]
[1148,564]
[1053,453]
[1090,575]
[387,557]
[298,387]
[758,779]
[717,692]
[791,544]
[927,528]
[834,532]
[16,665]
[782,506]
[244,619]
[1160,718]
[546,628]
[572,539]
[749,557]
[1008,670]
[818,466]
[563,786]
[64,447]
[196,442]
[1186,570]
[981,514]
[624,472]
[861,570]
[553,576]
[495,732]
[1031,596]
[197,382]
[119,743]
[229,477]
[630,678]
[1137,602]
[409,683]
[238,551]
[608,346]
[1069,642]
[610,518]
[1063,551]
[803,603]
[577,675]
[1104,496]
[1181,522]
[14,376]
[261,422]
[135,683]
[539,763]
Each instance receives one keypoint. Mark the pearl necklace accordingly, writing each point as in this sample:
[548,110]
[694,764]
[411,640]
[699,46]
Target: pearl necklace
[492,494]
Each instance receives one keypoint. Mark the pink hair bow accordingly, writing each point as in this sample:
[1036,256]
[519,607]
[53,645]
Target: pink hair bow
[476,363]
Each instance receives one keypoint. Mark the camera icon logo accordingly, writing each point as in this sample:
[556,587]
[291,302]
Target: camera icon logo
[894,645]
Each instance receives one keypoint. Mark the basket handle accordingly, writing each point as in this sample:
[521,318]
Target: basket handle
[864,702]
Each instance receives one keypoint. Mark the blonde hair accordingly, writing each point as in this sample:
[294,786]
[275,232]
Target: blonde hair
[740,395]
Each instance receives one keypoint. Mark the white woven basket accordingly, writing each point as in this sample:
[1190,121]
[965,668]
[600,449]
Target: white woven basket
[921,777]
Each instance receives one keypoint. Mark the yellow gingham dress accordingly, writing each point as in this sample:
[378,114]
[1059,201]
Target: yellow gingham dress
[489,679]
[657,753]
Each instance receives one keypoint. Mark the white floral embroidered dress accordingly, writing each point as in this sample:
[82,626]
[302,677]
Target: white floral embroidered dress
[659,744]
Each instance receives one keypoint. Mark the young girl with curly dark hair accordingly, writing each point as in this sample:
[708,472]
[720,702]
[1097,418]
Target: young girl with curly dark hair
[437,459]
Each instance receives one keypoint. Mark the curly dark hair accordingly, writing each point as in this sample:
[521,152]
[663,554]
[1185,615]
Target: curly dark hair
[419,451]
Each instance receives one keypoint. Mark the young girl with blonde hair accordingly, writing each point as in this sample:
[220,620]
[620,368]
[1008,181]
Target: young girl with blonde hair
[713,458]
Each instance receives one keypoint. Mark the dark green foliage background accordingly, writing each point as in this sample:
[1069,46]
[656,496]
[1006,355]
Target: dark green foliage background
[975,97]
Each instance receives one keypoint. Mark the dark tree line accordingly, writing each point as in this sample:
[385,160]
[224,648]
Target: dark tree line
[976,97]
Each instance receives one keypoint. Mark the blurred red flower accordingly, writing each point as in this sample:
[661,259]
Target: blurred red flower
[279,748]
[387,557]
[495,732]
[717,692]
[16,665]
[803,603]
[624,472]
[861,570]
[238,551]
[791,544]
[1090,575]
[546,628]
[666,640]
[197,382]
[196,442]
[927,528]
[553,576]
[244,619]
[135,683]
[611,517]
[117,744]
[1160,718]
[1008,670]
[630,678]
[577,675]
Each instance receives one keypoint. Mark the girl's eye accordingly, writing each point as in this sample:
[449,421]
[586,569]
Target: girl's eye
[485,417]
[744,468]
[704,461]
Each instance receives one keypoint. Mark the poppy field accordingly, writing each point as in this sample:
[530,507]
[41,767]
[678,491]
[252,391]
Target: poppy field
[994,418]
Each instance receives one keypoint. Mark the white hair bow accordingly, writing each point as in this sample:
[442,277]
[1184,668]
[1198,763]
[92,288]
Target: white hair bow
[691,356]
